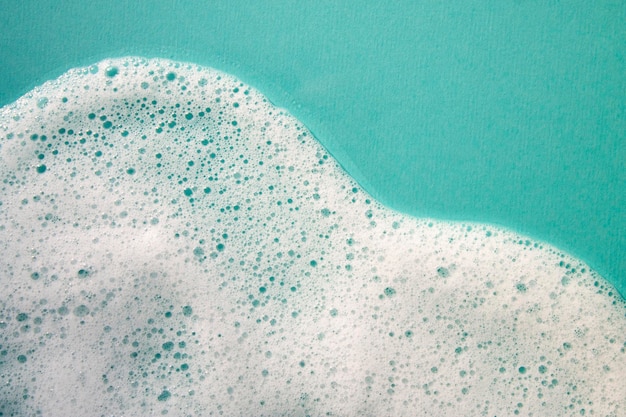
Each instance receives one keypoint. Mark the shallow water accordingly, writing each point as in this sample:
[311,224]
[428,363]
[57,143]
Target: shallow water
[174,243]
[505,112]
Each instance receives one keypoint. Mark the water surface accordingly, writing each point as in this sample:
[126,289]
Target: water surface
[507,112]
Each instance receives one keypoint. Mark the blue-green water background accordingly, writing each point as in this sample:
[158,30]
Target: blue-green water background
[510,112]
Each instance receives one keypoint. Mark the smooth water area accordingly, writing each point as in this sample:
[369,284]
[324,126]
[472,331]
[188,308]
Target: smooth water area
[173,243]
[504,112]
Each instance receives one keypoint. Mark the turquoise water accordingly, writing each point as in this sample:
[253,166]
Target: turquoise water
[506,112]
[172,242]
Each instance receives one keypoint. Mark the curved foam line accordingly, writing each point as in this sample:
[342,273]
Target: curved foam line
[172,242]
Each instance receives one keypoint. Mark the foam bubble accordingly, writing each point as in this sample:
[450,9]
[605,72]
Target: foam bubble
[173,243]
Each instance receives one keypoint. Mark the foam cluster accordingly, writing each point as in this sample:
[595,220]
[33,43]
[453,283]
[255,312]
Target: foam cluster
[172,243]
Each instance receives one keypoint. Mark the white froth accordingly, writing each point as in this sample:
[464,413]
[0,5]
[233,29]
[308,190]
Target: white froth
[190,249]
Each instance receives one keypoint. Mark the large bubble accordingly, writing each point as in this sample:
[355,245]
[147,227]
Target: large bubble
[173,243]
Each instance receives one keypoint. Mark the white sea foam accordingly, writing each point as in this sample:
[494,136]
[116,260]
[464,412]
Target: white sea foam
[173,243]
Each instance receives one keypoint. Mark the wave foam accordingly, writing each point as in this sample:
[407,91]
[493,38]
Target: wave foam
[172,242]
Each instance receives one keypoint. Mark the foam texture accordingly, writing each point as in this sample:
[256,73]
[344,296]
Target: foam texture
[172,243]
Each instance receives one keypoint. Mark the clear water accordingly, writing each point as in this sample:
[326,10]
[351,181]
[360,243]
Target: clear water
[493,113]
[505,112]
